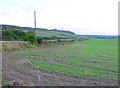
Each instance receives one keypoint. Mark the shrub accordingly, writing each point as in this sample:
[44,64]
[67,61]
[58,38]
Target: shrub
[19,35]
[39,40]
[4,48]
[30,37]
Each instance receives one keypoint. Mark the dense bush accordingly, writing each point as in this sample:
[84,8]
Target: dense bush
[18,35]
[10,35]
[30,37]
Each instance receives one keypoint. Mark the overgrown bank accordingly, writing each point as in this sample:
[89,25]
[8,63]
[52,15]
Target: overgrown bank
[18,45]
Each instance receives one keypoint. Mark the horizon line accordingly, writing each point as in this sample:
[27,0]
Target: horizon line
[63,29]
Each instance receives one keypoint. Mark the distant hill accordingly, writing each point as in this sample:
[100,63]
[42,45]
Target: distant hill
[44,33]
[49,34]
[5,27]
[8,27]
[101,36]
[64,31]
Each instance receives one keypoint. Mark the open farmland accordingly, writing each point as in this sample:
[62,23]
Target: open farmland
[91,62]
[53,34]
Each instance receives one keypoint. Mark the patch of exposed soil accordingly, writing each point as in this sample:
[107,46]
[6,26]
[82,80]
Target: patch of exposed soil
[24,61]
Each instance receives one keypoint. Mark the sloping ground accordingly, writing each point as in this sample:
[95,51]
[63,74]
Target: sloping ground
[86,63]
[11,45]
[40,32]
[52,34]
[15,45]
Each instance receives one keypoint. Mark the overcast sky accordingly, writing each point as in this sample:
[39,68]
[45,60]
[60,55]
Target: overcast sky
[79,16]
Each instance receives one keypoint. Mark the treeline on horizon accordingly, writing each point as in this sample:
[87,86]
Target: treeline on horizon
[102,36]
[5,27]
[16,33]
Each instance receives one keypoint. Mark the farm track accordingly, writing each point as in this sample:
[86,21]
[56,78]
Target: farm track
[16,67]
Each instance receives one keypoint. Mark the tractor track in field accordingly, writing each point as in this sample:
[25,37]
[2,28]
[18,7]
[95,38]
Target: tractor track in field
[78,66]
[26,77]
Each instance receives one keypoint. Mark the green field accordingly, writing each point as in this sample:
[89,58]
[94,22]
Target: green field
[95,59]
[52,34]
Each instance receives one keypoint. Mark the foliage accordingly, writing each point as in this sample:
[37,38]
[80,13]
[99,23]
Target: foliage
[18,35]
[39,40]
[10,35]
[30,37]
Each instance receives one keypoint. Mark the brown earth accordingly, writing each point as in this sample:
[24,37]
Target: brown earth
[20,73]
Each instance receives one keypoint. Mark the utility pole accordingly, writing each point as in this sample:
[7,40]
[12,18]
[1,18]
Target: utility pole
[34,19]
[35,24]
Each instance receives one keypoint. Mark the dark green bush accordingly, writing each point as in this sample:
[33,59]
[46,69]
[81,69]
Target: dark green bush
[30,37]
[39,40]
[18,35]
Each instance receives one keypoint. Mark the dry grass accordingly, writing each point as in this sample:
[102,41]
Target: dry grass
[15,45]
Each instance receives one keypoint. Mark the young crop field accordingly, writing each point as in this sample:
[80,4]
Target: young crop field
[91,62]
[51,34]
